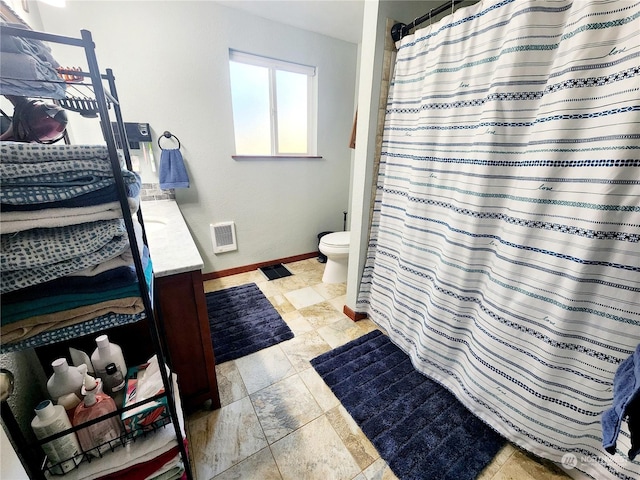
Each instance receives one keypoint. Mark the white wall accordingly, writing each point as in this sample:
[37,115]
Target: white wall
[170,59]
[369,86]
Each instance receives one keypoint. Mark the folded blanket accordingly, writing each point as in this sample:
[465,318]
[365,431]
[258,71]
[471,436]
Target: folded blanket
[72,332]
[122,260]
[42,254]
[44,300]
[25,76]
[41,193]
[15,51]
[173,173]
[626,404]
[47,246]
[35,48]
[106,194]
[19,152]
[33,326]
[33,173]
[53,329]
[115,278]
[18,221]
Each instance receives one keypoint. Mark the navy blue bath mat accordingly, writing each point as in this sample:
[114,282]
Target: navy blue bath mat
[243,321]
[418,427]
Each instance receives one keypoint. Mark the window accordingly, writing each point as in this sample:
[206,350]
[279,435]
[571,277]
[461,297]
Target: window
[273,106]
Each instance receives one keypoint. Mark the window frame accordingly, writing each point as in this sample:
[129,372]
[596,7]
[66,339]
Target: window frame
[273,65]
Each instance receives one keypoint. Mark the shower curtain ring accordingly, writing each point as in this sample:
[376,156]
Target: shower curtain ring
[430,16]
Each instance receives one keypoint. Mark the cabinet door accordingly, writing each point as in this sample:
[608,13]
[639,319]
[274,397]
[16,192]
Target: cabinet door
[182,312]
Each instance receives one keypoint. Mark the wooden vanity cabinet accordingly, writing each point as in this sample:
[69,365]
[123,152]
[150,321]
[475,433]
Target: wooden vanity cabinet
[181,309]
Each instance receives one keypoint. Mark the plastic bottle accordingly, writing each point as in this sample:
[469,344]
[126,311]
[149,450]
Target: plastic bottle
[78,357]
[65,380]
[64,452]
[105,354]
[114,384]
[94,438]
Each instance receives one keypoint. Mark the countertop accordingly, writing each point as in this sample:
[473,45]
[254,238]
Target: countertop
[171,246]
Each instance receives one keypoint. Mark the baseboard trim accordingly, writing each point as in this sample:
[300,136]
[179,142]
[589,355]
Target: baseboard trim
[255,266]
[355,316]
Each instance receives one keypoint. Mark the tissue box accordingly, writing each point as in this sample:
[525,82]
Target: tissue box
[141,418]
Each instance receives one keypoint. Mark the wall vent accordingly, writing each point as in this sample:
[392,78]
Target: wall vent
[223,235]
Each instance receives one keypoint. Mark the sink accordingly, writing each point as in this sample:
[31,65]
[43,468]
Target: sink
[152,225]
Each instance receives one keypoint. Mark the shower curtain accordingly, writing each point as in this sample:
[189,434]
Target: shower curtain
[504,254]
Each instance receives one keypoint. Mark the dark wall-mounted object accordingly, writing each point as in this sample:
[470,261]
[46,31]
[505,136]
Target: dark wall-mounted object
[136,133]
[168,134]
[399,30]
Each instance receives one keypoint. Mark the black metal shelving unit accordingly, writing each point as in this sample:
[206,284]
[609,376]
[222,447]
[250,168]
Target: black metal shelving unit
[30,453]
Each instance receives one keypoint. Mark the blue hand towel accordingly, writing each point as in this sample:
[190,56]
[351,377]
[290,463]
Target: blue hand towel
[173,173]
[626,404]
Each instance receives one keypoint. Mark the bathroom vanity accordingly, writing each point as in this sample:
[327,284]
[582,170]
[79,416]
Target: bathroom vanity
[180,303]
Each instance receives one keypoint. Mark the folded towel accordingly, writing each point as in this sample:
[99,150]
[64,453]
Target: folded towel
[144,469]
[626,404]
[18,221]
[173,173]
[57,295]
[32,326]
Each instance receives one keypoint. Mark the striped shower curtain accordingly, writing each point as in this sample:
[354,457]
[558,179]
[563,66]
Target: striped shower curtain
[504,255]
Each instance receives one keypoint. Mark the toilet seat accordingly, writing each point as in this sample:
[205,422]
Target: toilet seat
[336,240]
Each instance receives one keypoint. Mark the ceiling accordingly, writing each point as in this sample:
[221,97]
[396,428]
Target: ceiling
[341,19]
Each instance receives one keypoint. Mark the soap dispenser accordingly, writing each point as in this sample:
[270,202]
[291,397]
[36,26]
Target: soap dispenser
[95,438]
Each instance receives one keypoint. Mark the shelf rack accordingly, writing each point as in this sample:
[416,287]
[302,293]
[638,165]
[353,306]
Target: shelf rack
[32,457]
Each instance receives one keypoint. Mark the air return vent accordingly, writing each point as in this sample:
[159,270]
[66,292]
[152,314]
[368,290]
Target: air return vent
[223,235]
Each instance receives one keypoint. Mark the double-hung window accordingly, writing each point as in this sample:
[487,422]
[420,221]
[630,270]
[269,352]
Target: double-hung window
[274,108]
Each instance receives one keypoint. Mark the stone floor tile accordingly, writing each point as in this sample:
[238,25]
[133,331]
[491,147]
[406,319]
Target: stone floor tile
[264,368]
[284,407]
[224,438]
[260,466]
[314,452]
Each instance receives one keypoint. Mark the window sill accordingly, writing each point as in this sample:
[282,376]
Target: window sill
[275,157]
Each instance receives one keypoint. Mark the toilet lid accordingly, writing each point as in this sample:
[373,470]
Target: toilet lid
[337,239]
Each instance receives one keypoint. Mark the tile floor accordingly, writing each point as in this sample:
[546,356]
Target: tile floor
[279,421]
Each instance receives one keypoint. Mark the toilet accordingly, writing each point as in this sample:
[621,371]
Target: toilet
[336,247]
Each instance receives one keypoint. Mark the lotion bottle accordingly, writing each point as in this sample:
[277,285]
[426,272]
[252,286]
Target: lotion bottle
[105,354]
[63,453]
[95,438]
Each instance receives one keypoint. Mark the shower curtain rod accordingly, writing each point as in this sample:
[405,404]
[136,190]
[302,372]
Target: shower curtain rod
[399,30]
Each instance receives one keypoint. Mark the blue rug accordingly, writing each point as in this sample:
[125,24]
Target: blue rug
[243,321]
[417,426]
